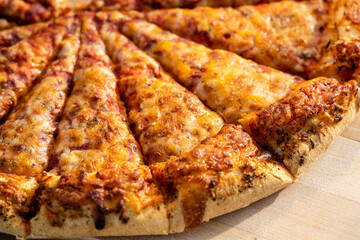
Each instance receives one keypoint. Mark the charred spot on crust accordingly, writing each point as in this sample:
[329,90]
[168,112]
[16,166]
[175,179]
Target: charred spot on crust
[302,160]
[100,222]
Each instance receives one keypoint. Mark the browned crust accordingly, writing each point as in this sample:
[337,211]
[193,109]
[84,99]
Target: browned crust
[228,168]
[16,198]
[302,125]
[104,201]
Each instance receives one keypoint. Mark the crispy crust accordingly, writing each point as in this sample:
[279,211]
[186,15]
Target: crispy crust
[151,220]
[301,126]
[16,196]
[227,169]
[225,172]
[106,203]
[229,198]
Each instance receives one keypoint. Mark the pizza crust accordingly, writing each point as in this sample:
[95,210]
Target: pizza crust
[229,196]
[151,220]
[322,140]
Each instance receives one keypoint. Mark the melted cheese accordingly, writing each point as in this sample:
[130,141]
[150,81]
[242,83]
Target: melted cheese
[93,133]
[17,34]
[168,119]
[26,137]
[289,36]
[22,63]
[227,83]
[24,11]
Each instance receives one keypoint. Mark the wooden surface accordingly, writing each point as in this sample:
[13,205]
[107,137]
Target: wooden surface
[323,204]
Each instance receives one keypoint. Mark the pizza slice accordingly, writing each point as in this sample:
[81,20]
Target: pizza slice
[301,126]
[168,120]
[17,195]
[22,63]
[27,135]
[99,185]
[94,132]
[224,173]
[12,36]
[342,60]
[228,84]
[289,36]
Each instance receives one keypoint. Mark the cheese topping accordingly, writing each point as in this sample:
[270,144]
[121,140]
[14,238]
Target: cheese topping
[227,83]
[93,133]
[168,120]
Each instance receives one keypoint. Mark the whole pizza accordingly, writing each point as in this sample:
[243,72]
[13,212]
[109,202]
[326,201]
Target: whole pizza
[142,117]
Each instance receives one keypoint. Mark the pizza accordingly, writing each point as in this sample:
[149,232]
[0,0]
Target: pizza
[123,118]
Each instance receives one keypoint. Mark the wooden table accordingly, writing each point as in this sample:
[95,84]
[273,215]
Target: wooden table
[323,204]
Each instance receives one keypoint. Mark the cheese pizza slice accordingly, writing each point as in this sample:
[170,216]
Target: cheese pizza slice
[94,132]
[27,136]
[222,174]
[168,120]
[99,185]
[301,126]
[22,63]
[228,84]
[342,60]
[289,36]
[12,36]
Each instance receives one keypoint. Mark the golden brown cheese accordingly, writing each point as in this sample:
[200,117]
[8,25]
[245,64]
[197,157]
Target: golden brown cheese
[27,136]
[197,174]
[289,36]
[303,121]
[17,193]
[227,83]
[22,63]
[105,191]
[93,133]
[23,11]
[342,60]
[168,120]
[17,34]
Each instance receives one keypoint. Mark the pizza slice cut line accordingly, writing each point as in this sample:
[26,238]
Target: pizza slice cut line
[227,83]
[28,134]
[168,120]
[289,36]
[98,184]
[22,63]
[14,35]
